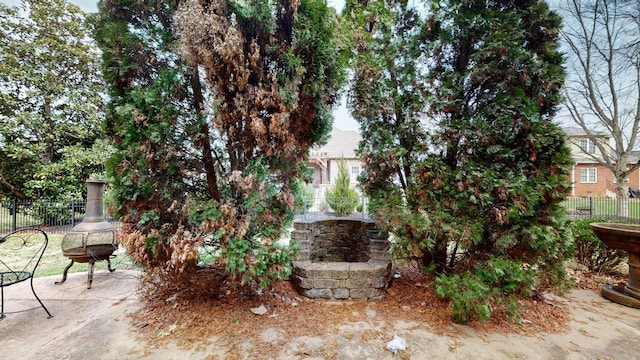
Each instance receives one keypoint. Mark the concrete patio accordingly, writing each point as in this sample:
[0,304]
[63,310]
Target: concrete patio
[94,324]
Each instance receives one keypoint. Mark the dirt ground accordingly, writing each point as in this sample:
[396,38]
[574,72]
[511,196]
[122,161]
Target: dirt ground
[111,321]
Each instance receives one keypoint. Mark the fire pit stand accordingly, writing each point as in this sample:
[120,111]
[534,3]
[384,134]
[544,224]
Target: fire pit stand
[93,239]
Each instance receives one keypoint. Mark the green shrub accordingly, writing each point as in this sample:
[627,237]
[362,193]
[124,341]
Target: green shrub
[590,251]
[341,197]
[305,196]
[495,283]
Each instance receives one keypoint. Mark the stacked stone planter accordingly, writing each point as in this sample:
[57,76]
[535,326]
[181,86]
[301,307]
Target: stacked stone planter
[341,259]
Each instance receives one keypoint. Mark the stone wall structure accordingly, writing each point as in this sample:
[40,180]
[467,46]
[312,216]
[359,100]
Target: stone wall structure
[341,258]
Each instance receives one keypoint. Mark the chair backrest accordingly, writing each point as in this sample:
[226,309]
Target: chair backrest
[22,250]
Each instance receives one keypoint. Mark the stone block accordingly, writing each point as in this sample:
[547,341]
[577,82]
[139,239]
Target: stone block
[379,281]
[330,223]
[303,225]
[360,271]
[340,293]
[317,255]
[377,244]
[319,271]
[301,268]
[319,293]
[300,235]
[303,255]
[326,238]
[359,293]
[380,268]
[376,294]
[302,282]
[340,270]
[378,255]
[326,283]
[358,283]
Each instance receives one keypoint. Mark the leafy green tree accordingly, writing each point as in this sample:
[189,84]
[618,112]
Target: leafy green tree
[341,197]
[51,101]
[213,165]
[477,199]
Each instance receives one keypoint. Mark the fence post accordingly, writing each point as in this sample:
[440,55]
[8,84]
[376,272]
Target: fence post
[304,207]
[73,213]
[14,214]
[590,206]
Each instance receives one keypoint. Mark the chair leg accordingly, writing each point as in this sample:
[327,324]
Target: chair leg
[2,315]
[40,301]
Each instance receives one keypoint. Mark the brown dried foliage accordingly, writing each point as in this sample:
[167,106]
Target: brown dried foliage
[241,67]
[211,308]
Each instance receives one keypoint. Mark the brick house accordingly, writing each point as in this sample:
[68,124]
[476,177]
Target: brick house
[587,176]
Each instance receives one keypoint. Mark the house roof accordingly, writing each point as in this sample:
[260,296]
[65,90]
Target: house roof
[342,143]
[634,157]
[578,131]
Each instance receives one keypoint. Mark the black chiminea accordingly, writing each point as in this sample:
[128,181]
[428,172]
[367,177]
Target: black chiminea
[94,238]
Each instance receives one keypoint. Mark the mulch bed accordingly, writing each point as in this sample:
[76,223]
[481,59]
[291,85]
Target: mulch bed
[208,309]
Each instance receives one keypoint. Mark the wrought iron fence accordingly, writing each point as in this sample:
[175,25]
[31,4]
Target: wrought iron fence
[61,216]
[54,216]
[317,207]
[577,207]
[602,207]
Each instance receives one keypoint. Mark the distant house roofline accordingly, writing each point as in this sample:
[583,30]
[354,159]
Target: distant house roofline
[341,143]
[578,131]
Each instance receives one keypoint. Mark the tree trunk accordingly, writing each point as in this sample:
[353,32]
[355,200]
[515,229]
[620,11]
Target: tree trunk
[437,258]
[622,195]
[204,140]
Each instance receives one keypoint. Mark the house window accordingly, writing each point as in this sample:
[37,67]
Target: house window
[588,175]
[588,146]
[355,170]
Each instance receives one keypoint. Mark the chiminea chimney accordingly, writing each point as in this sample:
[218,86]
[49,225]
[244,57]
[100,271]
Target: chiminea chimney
[94,238]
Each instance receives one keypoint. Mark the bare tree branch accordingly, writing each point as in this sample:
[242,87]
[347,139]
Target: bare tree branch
[603,94]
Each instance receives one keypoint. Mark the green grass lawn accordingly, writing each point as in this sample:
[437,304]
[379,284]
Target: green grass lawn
[53,262]
[602,206]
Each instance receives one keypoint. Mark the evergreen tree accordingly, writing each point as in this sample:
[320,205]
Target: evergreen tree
[481,204]
[213,166]
[155,118]
[389,98]
[341,197]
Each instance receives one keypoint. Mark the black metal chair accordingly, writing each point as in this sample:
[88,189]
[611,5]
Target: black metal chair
[20,254]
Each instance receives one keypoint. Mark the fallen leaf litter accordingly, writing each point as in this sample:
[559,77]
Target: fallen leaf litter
[195,319]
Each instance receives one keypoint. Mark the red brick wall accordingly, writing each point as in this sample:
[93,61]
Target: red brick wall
[605,181]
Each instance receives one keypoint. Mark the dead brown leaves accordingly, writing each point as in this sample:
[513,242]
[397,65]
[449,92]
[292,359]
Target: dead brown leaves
[208,310]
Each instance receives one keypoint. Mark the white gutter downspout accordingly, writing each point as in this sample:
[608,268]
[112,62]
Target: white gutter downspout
[573,179]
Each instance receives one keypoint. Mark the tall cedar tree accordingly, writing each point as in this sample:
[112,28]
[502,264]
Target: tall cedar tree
[479,202]
[212,166]
[389,99]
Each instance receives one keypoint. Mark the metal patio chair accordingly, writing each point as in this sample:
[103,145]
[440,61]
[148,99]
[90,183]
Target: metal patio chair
[20,254]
